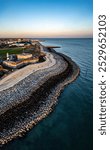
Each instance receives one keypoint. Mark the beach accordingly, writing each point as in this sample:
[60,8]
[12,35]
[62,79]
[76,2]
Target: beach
[30,94]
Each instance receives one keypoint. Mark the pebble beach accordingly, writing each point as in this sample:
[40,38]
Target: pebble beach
[28,95]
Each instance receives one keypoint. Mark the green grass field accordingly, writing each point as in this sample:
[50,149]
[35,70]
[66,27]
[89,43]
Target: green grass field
[3,52]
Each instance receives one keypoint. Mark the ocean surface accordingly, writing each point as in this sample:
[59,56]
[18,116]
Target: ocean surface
[70,125]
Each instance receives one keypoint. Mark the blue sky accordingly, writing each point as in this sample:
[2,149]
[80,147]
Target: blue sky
[46,18]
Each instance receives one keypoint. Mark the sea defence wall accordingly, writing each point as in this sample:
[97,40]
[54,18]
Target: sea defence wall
[25,102]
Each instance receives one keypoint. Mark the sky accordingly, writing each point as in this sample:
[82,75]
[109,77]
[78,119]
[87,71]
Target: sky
[46,18]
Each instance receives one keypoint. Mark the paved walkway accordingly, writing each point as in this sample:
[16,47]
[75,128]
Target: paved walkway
[15,77]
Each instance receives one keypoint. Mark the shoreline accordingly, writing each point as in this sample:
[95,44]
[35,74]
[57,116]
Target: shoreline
[47,99]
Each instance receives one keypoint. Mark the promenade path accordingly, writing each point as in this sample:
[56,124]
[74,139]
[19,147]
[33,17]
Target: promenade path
[15,77]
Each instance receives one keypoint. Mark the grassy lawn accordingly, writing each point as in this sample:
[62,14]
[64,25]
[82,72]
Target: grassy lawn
[10,51]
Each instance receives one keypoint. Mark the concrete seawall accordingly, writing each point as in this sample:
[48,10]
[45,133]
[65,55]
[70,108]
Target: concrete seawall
[33,97]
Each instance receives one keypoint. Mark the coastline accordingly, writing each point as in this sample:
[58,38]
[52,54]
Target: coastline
[47,99]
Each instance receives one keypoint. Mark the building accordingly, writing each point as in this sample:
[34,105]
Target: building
[24,56]
[20,44]
[11,57]
[20,63]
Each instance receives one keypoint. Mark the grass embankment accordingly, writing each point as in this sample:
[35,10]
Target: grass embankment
[3,52]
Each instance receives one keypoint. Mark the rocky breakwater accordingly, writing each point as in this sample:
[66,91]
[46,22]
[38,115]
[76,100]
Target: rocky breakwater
[33,95]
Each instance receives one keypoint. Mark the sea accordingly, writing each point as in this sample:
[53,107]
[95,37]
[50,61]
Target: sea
[70,125]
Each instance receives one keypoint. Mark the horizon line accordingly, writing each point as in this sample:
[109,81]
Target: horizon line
[46,37]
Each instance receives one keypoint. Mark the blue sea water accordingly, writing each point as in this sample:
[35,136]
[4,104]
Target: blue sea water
[70,125]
